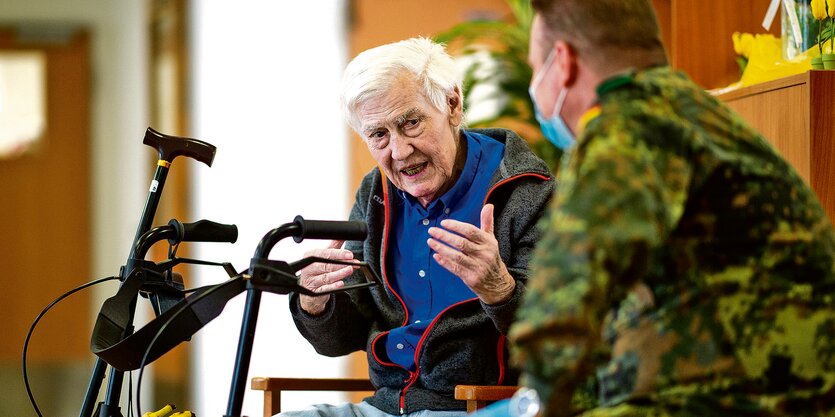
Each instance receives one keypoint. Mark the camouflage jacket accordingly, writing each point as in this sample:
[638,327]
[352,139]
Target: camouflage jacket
[684,266]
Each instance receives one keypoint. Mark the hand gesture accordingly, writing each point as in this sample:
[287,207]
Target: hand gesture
[472,254]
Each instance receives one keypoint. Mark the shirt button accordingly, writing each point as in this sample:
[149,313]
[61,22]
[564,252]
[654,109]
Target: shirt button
[400,346]
[446,210]
[417,321]
[422,273]
[425,222]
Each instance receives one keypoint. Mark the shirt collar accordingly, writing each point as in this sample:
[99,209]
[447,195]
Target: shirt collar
[610,84]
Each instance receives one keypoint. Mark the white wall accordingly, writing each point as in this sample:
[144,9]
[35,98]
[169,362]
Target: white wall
[266,94]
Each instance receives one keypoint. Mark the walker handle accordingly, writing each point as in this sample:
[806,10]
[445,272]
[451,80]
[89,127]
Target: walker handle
[329,229]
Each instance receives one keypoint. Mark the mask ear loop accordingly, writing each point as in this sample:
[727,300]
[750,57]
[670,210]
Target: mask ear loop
[537,79]
[545,67]
[560,102]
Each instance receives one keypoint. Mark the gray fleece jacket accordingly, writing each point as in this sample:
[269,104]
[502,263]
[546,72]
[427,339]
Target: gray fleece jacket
[465,344]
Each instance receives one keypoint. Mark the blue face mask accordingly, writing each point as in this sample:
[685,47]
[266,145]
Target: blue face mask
[554,128]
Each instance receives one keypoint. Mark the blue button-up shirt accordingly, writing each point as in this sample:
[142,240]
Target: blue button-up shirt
[426,287]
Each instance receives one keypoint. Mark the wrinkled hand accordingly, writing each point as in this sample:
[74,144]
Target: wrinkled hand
[319,277]
[472,254]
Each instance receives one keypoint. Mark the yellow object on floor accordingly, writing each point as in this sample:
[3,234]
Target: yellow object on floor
[161,412]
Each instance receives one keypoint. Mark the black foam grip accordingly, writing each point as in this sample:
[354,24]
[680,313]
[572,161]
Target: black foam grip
[330,229]
[208,231]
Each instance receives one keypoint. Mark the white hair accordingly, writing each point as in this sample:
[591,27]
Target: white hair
[373,72]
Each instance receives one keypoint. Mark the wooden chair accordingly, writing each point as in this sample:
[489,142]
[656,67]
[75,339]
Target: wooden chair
[476,396]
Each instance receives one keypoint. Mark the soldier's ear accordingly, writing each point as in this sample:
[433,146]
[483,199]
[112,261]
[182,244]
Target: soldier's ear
[565,59]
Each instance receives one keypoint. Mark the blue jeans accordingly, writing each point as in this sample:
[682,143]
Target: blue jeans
[362,409]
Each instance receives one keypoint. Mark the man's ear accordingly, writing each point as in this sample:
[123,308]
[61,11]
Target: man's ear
[456,107]
[565,59]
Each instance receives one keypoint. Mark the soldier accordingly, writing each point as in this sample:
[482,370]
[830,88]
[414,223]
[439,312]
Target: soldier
[685,268]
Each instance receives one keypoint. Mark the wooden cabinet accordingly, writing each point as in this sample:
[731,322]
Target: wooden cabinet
[796,114]
[697,35]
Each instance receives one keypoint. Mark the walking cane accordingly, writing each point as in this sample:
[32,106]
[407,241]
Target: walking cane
[168,148]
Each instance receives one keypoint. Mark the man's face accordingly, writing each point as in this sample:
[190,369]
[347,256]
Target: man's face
[413,143]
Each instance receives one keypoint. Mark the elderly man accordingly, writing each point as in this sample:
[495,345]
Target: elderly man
[685,268]
[452,219]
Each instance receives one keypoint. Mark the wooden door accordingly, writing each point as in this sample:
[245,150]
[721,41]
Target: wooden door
[45,210]
[45,232]
[45,214]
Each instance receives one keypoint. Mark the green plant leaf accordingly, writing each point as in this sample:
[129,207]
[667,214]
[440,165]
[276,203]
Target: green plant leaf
[496,53]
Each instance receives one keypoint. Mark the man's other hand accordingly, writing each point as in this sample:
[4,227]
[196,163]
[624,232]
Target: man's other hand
[472,254]
[319,277]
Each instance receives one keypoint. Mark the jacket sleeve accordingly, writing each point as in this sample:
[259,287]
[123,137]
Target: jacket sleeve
[521,211]
[344,325]
[615,204]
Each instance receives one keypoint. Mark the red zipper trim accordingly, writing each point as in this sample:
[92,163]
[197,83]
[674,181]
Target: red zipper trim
[418,348]
[515,177]
[383,268]
[502,339]
[383,263]
[414,375]
[500,356]
[386,217]
[374,352]
[432,324]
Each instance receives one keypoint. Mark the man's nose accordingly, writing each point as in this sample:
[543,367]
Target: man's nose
[401,147]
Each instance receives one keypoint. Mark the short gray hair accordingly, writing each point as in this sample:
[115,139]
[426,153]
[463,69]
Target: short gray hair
[589,27]
[373,72]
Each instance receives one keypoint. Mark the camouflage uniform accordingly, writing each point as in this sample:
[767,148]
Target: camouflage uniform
[685,268]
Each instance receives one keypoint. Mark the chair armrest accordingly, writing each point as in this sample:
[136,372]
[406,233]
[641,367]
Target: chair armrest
[478,396]
[272,388]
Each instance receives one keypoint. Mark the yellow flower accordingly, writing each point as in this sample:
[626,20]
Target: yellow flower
[830,8]
[743,43]
[819,9]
